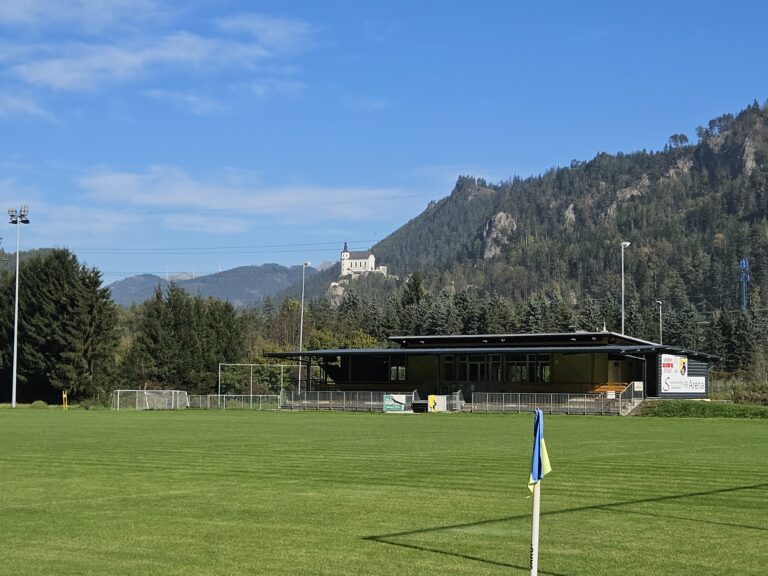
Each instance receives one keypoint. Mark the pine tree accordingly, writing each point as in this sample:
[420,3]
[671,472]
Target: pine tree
[67,329]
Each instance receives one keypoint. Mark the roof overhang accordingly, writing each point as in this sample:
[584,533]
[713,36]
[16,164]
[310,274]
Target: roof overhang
[636,350]
[532,339]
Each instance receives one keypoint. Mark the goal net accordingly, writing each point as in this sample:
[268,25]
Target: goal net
[149,400]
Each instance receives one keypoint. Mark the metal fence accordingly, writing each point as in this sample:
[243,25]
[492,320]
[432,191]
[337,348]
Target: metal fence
[333,400]
[455,401]
[631,397]
[554,403]
[595,404]
[235,401]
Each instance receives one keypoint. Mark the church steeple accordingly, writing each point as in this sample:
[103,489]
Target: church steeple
[345,247]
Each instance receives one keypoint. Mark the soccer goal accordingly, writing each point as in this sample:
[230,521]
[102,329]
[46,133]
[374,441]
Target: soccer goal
[149,400]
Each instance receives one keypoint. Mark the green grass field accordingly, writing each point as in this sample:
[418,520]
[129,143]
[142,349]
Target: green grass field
[202,493]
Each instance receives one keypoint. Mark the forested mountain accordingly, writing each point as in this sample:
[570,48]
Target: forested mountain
[690,211]
[244,286]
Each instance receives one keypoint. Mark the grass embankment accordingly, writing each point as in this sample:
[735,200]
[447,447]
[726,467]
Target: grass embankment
[205,493]
[699,409]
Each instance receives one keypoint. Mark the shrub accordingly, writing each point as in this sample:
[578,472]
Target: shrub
[39,405]
[90,404]
[740,387]
[751,393]
[699,409]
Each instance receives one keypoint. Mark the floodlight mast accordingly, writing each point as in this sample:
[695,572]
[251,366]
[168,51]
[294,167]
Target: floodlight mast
[301,322]
[17,218]
[661,340]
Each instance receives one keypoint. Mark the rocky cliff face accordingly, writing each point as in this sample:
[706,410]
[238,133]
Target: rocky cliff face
[497,233]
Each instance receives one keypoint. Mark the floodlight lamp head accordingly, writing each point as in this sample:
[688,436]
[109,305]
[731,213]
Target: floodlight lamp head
[307,263]
[625,244]
[12,212]
[659,302]
[24,211]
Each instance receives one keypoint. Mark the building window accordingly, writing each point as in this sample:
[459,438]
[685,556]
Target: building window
[528,369]
[538,368]
[397,370]
[455,368]
[449,371]
[517,371]
[477,368]
[495,368]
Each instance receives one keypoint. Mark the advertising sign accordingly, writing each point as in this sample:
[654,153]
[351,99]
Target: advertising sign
[438,403]
[675,378]
[394,402]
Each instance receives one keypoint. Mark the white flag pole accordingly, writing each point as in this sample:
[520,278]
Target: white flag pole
[535,529]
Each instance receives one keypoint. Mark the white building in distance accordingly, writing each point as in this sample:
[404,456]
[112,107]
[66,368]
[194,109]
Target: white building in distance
[359,262]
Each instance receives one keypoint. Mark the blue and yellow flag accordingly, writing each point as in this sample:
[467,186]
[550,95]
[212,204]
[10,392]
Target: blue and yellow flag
[540,464]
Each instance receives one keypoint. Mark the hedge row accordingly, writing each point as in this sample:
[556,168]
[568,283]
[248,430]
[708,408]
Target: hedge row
[699,409]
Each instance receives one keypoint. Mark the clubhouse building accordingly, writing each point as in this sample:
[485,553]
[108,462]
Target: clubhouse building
[570,362]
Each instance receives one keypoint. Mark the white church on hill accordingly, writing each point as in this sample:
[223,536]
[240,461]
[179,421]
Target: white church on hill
[359,262]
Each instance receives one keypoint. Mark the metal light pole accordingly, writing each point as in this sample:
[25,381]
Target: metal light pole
[661,341]
[623,245]
[301,321]
[17,218]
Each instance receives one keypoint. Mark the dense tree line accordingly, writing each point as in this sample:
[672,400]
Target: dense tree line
[177,341]
[71,336]
[740,337]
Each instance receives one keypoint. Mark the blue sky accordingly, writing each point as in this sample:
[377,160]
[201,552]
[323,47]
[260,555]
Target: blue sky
[153,136]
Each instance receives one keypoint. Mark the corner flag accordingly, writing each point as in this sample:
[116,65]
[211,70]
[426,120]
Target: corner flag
[539,468]
[540,463]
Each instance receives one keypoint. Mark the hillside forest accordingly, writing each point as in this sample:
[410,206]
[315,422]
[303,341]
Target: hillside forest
[539,254]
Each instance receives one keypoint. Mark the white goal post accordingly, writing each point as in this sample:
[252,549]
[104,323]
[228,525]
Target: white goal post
[149,400]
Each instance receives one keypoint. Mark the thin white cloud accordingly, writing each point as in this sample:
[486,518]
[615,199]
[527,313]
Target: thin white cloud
[14,106]
[240,43]
[198,222]
[84,67]
[277,34]
[65,222]
[187,101]
[170,190]
[89,15]
[276,87]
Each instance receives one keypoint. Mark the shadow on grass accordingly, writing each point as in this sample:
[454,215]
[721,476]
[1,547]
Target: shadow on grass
[608,506]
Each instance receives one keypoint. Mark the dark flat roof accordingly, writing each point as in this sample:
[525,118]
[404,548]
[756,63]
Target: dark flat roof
[553,338]
[608,349]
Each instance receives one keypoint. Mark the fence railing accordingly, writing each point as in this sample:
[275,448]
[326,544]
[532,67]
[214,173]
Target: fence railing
[332,400]
[552,403]
[555,403]
[630,397]
[235,401]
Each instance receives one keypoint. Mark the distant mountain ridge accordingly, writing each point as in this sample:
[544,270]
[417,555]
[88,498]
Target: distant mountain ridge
[244,286]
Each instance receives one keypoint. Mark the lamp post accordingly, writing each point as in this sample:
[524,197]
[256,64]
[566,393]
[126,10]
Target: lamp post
[623,245]
[301,321]
[18,218]
[661,341]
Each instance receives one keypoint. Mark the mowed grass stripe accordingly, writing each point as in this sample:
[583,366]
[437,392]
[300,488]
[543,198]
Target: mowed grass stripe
[337,493]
